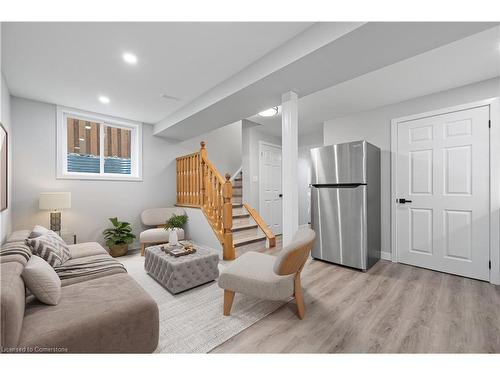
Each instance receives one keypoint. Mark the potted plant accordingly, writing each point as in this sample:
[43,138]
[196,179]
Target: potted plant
[119,237]
[175,225]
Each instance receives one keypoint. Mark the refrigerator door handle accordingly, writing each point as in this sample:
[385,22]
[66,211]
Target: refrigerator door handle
[338,186]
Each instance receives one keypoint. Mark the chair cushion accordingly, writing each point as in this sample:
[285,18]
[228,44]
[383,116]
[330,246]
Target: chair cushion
[86,249]
[252,274]
[50,247]
[41,280]
[155,235]
[158,216]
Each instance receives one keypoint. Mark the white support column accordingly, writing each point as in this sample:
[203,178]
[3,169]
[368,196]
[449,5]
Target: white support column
[290,149]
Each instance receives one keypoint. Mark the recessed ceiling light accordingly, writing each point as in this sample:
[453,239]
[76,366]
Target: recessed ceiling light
[170,97]
[273,111]
[104,99]
[129,58]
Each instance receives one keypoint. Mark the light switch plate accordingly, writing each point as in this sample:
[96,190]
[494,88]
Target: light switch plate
[255,179]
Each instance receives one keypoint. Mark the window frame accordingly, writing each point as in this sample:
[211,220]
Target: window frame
[103,120]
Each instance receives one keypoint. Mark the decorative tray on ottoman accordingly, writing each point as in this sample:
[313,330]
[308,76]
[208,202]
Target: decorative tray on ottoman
[182,248]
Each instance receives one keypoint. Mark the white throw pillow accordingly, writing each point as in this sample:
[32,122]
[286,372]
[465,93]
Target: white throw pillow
[41,279]
[38,231]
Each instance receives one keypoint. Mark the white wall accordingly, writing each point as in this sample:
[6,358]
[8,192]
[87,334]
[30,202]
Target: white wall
[223,147]
[306,142]
[93,202]
[374,126]
[199,230]
[6,215]
[251,136]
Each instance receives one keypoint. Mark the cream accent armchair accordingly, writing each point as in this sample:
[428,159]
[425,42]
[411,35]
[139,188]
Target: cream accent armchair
[157,217]
[268,277]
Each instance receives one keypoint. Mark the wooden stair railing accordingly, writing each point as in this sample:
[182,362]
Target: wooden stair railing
[200,185]
[262,224]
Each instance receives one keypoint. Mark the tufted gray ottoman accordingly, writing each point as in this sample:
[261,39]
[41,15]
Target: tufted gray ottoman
[181,273]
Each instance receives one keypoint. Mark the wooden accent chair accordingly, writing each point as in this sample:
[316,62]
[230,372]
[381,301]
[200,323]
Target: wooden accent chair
[268,277]
[157,217]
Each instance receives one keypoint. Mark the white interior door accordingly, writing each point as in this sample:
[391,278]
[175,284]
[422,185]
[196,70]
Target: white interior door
[443,171]
[270,186]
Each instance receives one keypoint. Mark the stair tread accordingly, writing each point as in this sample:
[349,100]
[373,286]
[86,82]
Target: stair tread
[240,215]
[244,226]
[237,205]
[250,239]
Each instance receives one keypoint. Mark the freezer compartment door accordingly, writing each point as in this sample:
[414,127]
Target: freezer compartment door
[338,215]
[337,164]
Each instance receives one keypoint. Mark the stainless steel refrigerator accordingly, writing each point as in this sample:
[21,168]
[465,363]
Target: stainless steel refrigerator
[345,204]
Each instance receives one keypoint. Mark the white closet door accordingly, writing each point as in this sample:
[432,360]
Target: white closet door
[443,169]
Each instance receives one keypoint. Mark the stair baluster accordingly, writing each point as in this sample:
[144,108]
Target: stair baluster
[200,185]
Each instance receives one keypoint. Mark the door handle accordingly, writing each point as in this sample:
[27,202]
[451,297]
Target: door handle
[403,201]
[280,195]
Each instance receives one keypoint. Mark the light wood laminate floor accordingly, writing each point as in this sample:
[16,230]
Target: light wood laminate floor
[391,308]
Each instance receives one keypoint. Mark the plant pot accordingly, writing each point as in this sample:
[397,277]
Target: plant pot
[118,250]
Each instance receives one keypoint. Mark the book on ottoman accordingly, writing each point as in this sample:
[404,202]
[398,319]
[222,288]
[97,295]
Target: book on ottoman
[182,248]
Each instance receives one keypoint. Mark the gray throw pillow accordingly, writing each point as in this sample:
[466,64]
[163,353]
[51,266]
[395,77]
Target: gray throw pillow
[42,281]
[50,247]
[38,231]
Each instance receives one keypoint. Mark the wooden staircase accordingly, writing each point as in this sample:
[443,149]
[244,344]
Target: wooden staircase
[245,228]
[235,223]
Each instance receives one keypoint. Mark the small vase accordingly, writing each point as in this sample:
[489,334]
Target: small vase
[172,237]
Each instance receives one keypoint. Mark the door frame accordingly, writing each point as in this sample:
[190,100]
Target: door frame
[265,143]
[494,108]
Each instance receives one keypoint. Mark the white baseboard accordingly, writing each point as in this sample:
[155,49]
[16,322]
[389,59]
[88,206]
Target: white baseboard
[385,255]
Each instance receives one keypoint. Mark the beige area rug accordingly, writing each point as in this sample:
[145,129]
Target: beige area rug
[192,321]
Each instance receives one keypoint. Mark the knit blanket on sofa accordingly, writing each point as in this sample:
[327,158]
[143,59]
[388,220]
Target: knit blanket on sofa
[87,266]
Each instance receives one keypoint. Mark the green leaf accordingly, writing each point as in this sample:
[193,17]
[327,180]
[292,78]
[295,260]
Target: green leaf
[120,234]
[176,221]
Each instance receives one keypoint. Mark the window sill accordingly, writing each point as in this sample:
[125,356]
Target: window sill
[99,178]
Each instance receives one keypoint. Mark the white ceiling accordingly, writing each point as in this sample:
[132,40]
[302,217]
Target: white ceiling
[73,63]
[346,51]
[466,61]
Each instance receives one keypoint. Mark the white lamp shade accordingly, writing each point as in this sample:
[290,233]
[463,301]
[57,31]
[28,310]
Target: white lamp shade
[53,201]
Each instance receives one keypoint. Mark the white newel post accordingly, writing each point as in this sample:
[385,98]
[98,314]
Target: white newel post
[289,140]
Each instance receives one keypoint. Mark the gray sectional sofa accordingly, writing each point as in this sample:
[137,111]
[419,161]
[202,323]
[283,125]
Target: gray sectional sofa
[102,311]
